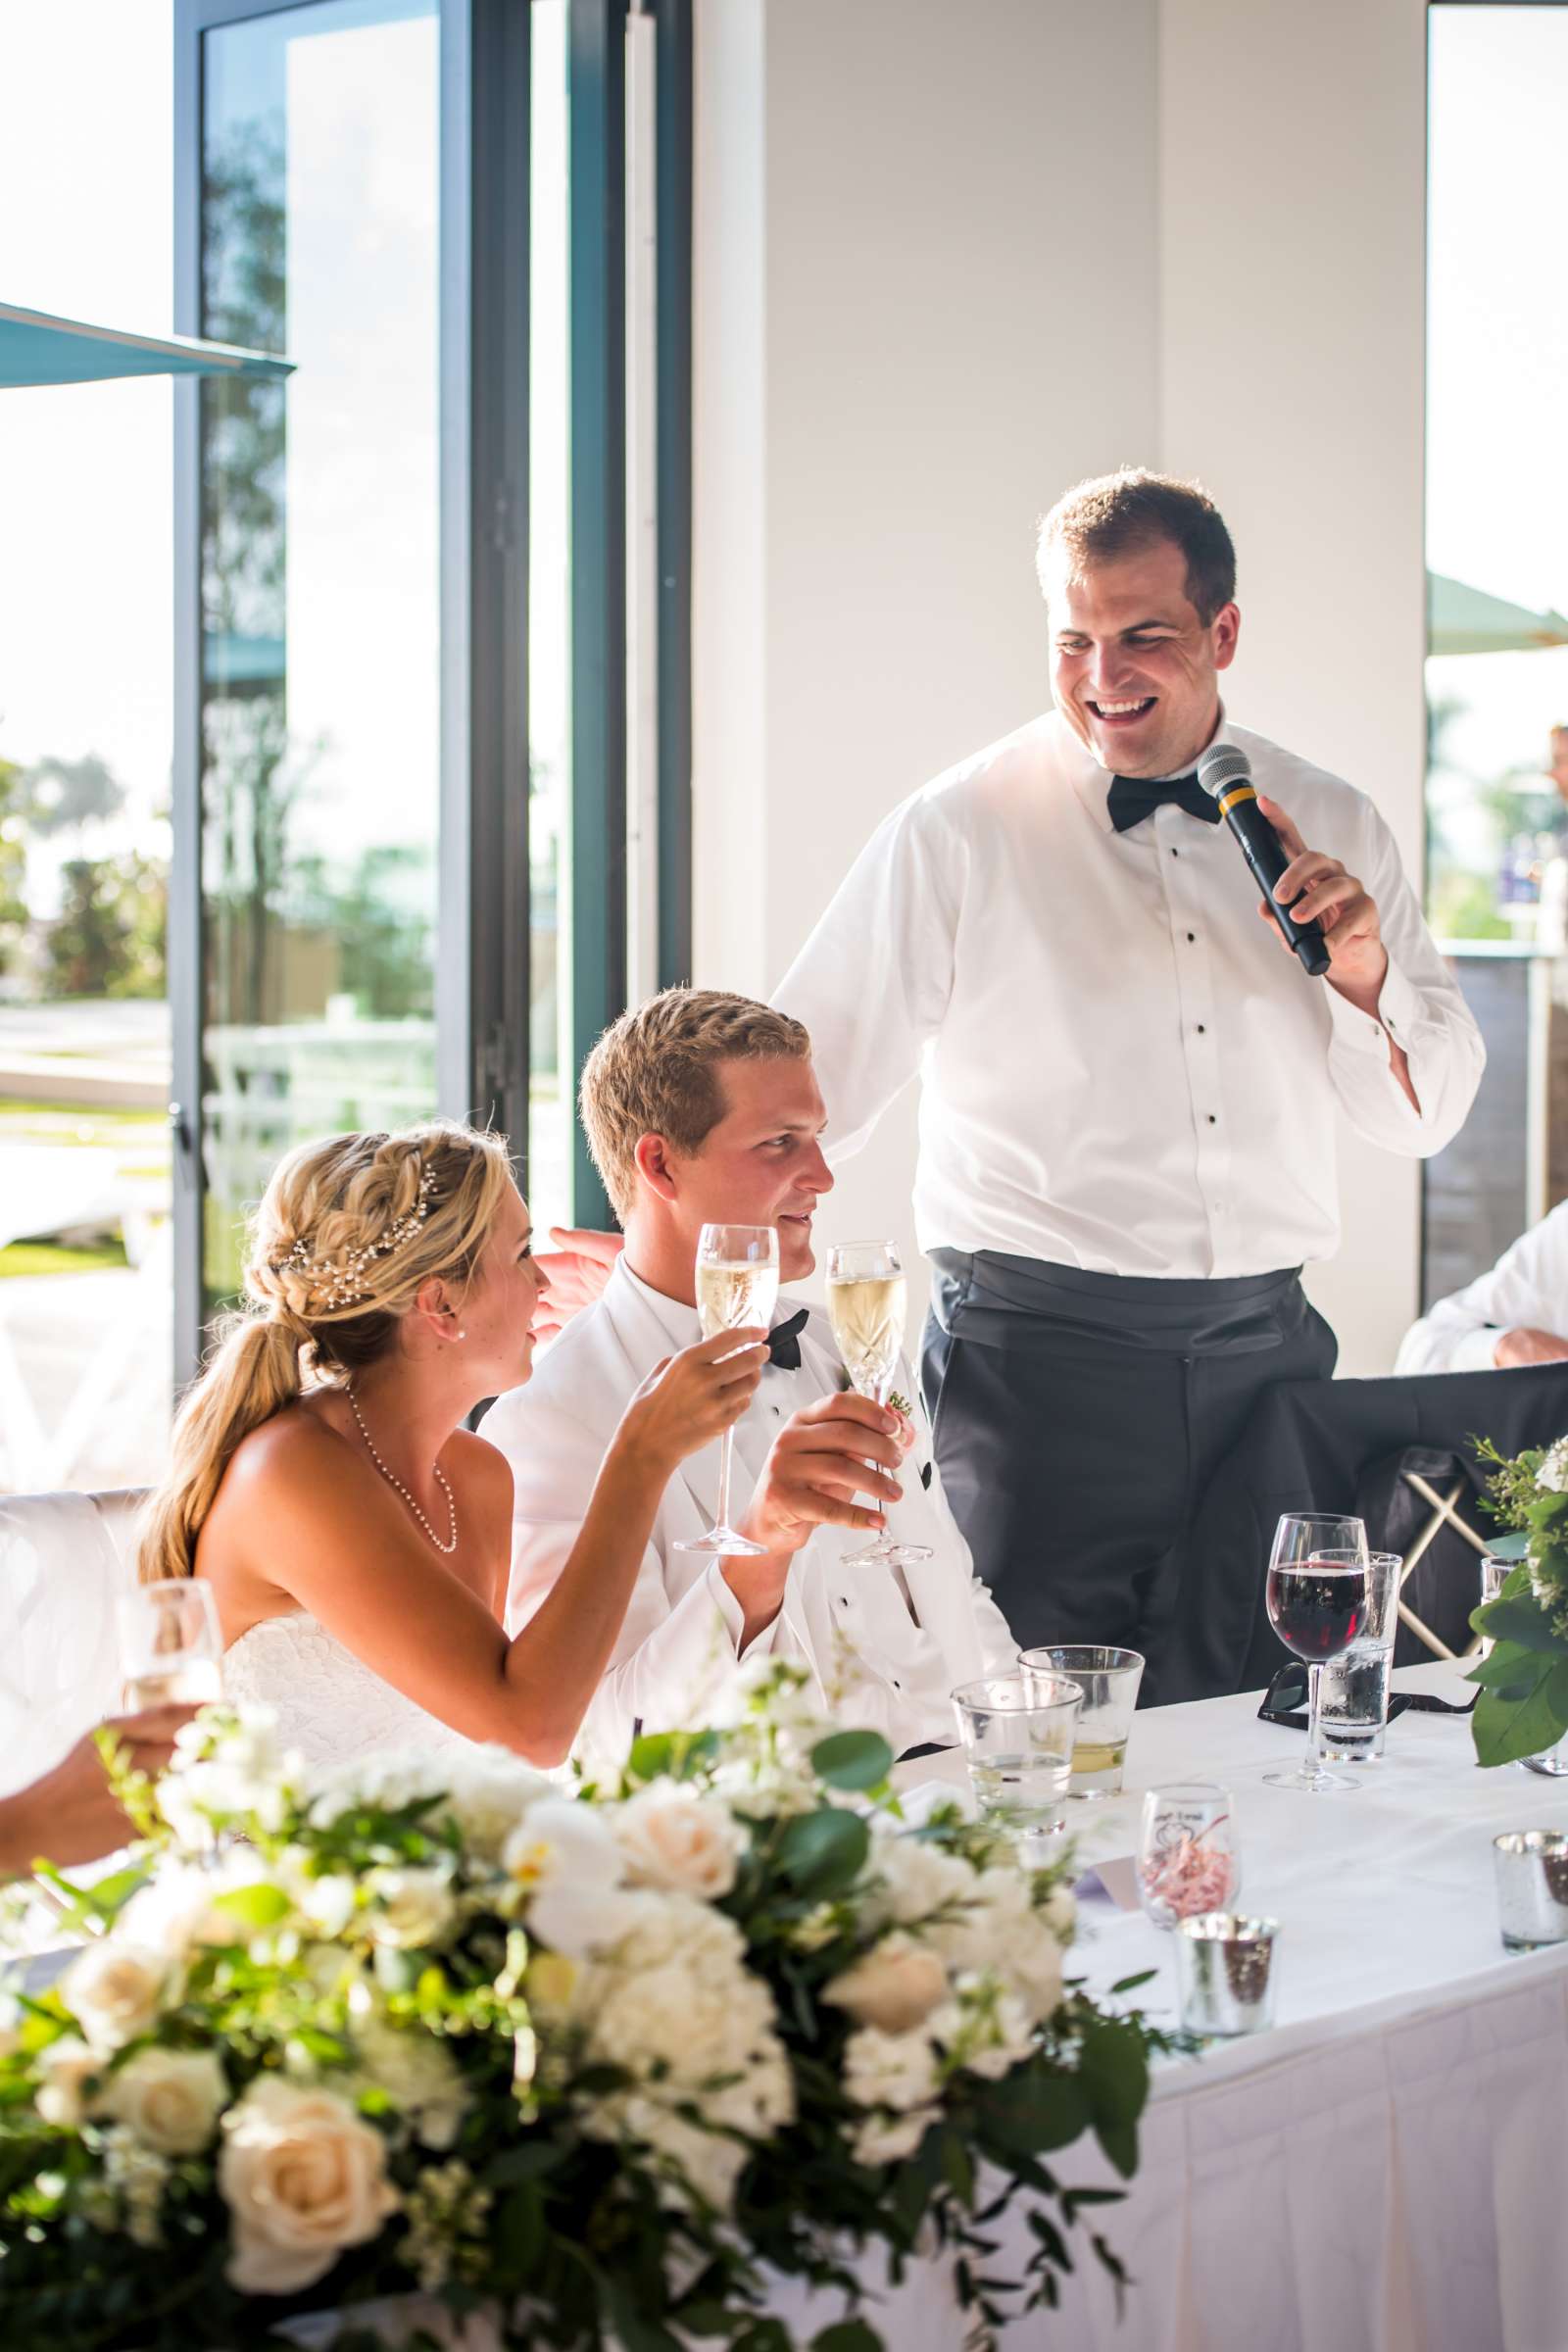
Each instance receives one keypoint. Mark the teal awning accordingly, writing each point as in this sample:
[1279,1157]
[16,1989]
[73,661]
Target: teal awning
[1461,619]
[38,349]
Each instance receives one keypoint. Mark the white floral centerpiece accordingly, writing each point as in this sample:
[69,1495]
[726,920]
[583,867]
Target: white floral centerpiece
[1523,1707]
[593,2064]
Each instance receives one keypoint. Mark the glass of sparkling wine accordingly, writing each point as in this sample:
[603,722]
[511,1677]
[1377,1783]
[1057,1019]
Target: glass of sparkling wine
[1017,1734]
[171,1645]
[866,1305]
[1319,1601]
[737,1283]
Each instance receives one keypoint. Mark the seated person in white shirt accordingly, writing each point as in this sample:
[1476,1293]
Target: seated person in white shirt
[702,1108]
[1517,1314]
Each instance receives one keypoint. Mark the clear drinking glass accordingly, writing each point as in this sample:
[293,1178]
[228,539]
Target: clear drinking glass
[867,1306]
[1318,1590]
[1188,1860]
[737,1284]
[1108,1679]
[1018,1735]
[1354,1692]
[171,1645]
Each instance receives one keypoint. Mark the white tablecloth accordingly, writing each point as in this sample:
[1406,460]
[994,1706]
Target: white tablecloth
[1384,2172]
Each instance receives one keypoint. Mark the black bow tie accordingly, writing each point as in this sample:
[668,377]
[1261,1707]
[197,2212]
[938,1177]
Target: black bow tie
[1132,799]
[783,1342]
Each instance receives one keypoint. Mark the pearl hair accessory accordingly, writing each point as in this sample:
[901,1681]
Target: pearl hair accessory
[393,1481]
[340,1280]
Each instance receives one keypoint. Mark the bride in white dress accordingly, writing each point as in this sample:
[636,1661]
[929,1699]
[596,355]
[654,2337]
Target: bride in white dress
[356,1535]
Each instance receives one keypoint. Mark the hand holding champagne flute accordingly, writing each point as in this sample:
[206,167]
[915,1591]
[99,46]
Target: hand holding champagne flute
[737,1284]
[867,1306]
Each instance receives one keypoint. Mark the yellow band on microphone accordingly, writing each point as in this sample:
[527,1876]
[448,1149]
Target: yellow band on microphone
[1235,796]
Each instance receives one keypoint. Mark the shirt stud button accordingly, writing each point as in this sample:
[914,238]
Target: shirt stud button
[1201,1031]
[1192,934]
[1212,1119]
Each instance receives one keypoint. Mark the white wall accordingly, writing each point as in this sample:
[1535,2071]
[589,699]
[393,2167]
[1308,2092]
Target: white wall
[950,259]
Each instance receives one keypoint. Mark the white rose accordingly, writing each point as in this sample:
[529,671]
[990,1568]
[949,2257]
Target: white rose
[170,2099]
[890,2069]
[894,1986]
[888,2139]
[114,1989]
[413,1907]
[62,2070]
[303,2176]
[676,1839]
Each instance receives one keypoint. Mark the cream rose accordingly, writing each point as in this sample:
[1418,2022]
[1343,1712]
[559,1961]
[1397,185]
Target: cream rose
[170,2099]
[895,1985]
[890,2070]
[410,1907]
[674,1839]
[114,1989]
[303,2176]
[63,2068]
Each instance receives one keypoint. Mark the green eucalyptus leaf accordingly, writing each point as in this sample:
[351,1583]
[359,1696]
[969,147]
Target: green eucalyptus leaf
[1505,1731]
[852,1759]
[1511,1546]
[1121,2144]
[1512,1670]
[1514,1618]
[847,2336]
[821,1854]
[1114,2072]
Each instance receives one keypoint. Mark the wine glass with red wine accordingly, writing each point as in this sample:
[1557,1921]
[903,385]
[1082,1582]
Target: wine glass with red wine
[1319,1593]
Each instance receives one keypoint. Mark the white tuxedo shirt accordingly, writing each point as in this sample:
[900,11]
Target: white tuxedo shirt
[1525,1290]
[880,1660]
[1121,1067]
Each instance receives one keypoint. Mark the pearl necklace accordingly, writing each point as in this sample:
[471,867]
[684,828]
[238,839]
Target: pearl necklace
[392,1481]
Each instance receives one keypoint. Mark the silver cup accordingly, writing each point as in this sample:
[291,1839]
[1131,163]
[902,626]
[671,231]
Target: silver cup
[1532,1888]
[1225,1973]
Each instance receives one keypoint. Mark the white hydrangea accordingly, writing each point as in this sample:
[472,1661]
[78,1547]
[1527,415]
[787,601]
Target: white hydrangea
[985,2027]
[1553,1471]
[421,2079]
[491,1790]
[225,1764]
[137,2176]
[914,1881]
[999,1929]
[889,2139]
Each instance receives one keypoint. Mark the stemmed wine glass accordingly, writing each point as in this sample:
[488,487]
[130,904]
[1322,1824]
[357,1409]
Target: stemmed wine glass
[1319,1593]
[866,1303]
[737,1283]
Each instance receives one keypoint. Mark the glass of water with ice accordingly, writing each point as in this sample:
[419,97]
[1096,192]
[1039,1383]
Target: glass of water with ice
[1017,1733]
[1353,1695]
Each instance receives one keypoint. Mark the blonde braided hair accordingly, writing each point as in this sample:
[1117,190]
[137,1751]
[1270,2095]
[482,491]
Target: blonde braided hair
[348,1232]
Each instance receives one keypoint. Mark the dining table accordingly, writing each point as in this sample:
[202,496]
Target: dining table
[1378,2171]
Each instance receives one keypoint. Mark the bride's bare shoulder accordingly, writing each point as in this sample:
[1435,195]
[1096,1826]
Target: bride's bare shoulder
[299,1444]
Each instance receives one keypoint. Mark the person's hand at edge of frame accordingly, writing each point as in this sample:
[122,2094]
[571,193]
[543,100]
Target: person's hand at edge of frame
[576,1271]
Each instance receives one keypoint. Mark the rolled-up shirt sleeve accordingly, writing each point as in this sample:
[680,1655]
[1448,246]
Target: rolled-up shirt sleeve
[671,1657]
[1420,1009]
[1525,1290]
[872,982]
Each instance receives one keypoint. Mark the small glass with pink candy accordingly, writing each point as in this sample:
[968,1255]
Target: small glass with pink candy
[1188,1859]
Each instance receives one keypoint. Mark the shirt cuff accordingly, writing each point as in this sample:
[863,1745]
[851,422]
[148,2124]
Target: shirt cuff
[1476,1351]
[1398,1015]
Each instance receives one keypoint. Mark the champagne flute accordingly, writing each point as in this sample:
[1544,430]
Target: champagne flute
[737,1283]
[171,1645]
[866,1303]
[1319,1596]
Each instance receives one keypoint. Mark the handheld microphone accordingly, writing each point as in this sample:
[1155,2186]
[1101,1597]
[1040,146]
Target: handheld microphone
[1225,776]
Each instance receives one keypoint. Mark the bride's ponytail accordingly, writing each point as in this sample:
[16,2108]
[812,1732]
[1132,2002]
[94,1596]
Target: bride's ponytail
[252,1374]
[348,1232]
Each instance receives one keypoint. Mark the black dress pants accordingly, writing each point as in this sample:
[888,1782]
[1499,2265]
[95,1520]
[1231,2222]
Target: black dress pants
[1077,1419]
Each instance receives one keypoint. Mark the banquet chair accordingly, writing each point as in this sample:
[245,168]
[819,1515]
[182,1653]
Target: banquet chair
[63,1559]
[1345,1446]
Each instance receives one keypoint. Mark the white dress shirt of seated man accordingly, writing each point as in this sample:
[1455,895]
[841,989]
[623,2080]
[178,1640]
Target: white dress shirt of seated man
[820,1469]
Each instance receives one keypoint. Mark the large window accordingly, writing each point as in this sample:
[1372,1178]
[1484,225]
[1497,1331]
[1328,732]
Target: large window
[1498,556]
[431,763]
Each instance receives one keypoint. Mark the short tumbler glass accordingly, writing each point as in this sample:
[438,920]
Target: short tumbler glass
[1354,1689]
[1017,1733]
[1108,1679]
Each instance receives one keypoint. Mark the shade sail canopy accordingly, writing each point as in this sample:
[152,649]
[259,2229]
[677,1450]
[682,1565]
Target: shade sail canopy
[1466,620]
[36,348]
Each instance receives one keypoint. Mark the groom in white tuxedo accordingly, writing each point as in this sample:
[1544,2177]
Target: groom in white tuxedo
[702,1107]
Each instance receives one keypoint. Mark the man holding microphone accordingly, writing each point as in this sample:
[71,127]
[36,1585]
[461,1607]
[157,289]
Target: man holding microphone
[1129,1080]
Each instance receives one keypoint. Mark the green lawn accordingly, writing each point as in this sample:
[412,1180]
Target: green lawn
[52,1257]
